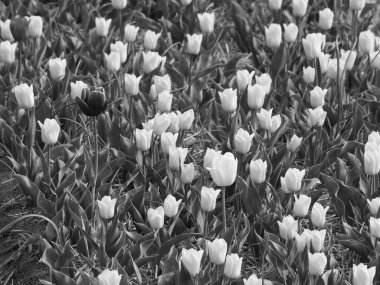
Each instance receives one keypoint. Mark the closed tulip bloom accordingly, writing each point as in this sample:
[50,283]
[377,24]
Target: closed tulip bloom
[57,68]
[361,275]
[107,207]
[308,74]
[357,5]
[49,131]
[162,83]
[5,30]
[171,206]
[194,43]
[186,120]
[206,22]
[119,4]
[244,79]
[317,263]
[326,17]
[276,123]
[185,2]
[318,215]
[156,217]
[151,60]
[243,141]
[299,7]
[164,101]
[316,116]
[132,84]
[121,48]
[153,92]
[255,96]
[76,88]
[109,277]
[191,259]
[112,61]
[374,206]
[275,4]
[294,143]
[373,141]
[301,205]
[228,99]
[209,157]
[273,35]
[217,250]
[208,198]
[372,162]
[374,226]
[317,97]
[366,42]
[333,71]
[290,32]
[232,267]
[35,26]
[143,139]
[253,280]
[8,52]
[177,156]
[303,240]
[317,239]
[258,170]
[174,123]
[265,119]
[313,45]
[161,123]
[349,58]
[92,101]
[187,173]
[324,62]
[150,40]
[265,81]
[224,169]
[149,125]
[24,95]
[288,227]
[292,181]
[130,33]
[102,26]
[168,140]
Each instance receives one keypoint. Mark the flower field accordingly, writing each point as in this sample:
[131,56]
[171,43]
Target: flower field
[193,141]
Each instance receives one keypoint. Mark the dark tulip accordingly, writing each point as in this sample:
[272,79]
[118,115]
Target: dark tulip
[19,27]
[93,101]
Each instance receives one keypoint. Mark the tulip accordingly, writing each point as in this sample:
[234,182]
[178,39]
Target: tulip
[276,123]
[303,240]
[290,32]
[5,30]
[292,180]
[24,96]
[333,71]
[372,162]
[255,96]
[224,168]
[318,215]
[348,57]
[150,40]
[232,267]
[19,28]
[185,2]
[208,198]
[109,277]
[143,138]
[119,4]
[288,227]
[7,52]
[57,68]
[121,48]
[313,45]
[93,101]
[294,143]
[209,157]
[316,117]
[217,250]
[357,5]
[151,60]
[299,7]
[317,263]
[317,97]
[326,17]
[374,206]
[162,83]
[336,276]
[243,141]
[132,84]
[149,125]
[168,140]
[156,217]
[373,140]
[102,26]
[244,79]
[253,280]
[308,74]
[174,123]
[171,206]
[324,62]
[153,93]
[273,35]
[275,4]
[106,207]
[228,99]
[112,61]
[164,101]
[258,170]
[265,81]
[187,173]
[301,206]
[49,131]
[35,26]
[191,259]
[317,239]
[161,123]
[374,58]
[206,22]
[77,88]
[194,43]
[177,155]
[374,225]
[361,275]
[186,120]
[366,42]
[130,33]
[265,119]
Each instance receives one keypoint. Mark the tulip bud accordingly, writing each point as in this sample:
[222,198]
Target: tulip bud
[108,277]
[317,239]
[374,206]
[292,180]
[290,32]
[209,157]
[191,259]
[102,26]
[162,83]
[148,125]
[324,62]
[366,42]
[333,71]
[326,17]
[265,81]
[106,207]
[244,79]
[317,97]
[275,4]
[243,141]
[7,52]
[57,68]
[318,215]
[372,162]
[164,101]
[161,123]
[308,74]
[185,2]
[132,84]
[177,155]
[93,101]
[153,93]
[301,206]
[224,169]
[5,31]
[49,131]
[294,143]
[275,124]
[265,119]
[130,33]
[121,48]
[187,173]
[77,88]
[194,43]
[24,96]
[299,7]
[143,138]
[253,280]
[206,22]
[208,198]
[168,140]
[316,117]
[303,240]
[357,4]
[349,58]
[255,96]
[174,123]
[313,44]
[217,250]
[150,40]
[228,99]
[186,120]
[171,206]
[35,26]
[119,4]
[232,267]
[288,227]
[273,35]
[156,217]
[361,275]
[258,170]
[112,61]
[317,263]
[19,28]
[374,225]
[151,60]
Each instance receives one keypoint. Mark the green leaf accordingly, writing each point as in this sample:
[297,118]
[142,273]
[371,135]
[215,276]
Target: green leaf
[60,278]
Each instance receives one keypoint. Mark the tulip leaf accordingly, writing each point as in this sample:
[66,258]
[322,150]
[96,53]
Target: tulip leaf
[29,187]
[278,61]
[60,278]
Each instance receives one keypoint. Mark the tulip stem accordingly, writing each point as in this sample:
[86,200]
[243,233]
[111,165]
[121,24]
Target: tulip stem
[224,210]
[19,62]
[48,165]
[35,52]
[121,25]
[206,224]
[95,166]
